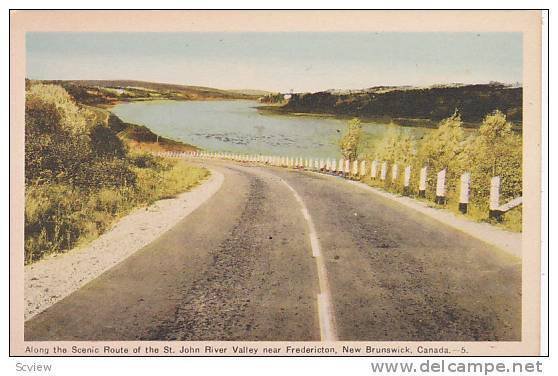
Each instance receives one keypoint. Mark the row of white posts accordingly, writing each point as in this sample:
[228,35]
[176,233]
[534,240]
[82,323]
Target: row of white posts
[357,169]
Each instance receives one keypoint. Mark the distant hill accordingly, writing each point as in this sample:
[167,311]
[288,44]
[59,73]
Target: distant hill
[434,103]
[251,92]
[98,92]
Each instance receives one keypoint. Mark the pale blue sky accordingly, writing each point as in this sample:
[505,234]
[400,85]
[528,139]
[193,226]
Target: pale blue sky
[278,61]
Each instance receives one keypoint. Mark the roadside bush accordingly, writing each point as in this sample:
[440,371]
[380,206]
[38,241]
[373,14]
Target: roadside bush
[73,118]
[107,173]
[396,147]
[53,219]
[442,149]
[350,141]
[106,144]
[53,154]
[144,160]
[59,217]
[79,176]
[494,150]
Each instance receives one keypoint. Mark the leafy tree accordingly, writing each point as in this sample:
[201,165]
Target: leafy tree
[396,147]
[495,151]
[442,149]
[350,141]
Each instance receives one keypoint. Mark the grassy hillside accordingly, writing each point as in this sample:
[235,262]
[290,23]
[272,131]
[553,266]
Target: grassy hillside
[137,137]
[472,102]
[106,92]
[81,174]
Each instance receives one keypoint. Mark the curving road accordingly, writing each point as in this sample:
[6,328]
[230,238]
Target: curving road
[283,255]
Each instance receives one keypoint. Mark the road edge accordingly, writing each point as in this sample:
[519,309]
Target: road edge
[52,279]
[510,242]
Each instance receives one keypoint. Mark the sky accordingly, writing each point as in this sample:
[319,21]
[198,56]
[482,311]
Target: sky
[298,61]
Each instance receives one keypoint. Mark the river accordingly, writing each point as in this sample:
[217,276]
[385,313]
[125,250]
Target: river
[238,126]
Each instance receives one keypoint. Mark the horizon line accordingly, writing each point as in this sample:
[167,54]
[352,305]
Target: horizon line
[431,85]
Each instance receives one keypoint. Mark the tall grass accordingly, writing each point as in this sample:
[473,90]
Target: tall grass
[80,176]
[59,217]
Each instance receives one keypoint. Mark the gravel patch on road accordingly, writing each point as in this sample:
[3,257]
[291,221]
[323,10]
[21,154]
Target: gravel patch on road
[53,278]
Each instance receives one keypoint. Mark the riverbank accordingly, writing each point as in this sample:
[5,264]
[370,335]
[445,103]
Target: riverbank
[234,126]
[138,137]
[404,122]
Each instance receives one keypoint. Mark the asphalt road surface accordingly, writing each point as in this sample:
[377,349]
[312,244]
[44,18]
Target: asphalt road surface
[282,255]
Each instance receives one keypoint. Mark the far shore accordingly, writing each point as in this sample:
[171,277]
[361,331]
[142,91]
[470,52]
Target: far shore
[404,122]
[178,99]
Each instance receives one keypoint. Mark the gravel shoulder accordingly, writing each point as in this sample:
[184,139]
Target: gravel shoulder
[53,278]
[238,267]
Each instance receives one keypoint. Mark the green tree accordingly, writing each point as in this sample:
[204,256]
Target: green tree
[495,151]
[350,141]
[396,147]
[442,149]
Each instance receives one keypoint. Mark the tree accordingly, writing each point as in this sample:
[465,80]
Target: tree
[496,151]
[443,149]
[350,140]
[395,147]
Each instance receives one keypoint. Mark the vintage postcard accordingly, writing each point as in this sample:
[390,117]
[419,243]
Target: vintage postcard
[275,183]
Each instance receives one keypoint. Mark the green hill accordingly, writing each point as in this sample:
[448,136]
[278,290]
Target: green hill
[106,92]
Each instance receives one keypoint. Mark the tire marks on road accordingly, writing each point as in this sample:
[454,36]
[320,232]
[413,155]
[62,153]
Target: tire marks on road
[214,308]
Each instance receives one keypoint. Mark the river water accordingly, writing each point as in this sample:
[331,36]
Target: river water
[238,126]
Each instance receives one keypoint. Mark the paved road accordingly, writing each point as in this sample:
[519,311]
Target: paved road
[283,255]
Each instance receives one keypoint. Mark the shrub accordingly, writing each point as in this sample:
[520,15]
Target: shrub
[53,154]
[442,149]
[495,151]
[350,141]
[144,160]
[106,173]
[72,117]
[52,219]
[78,175]
[105,143]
